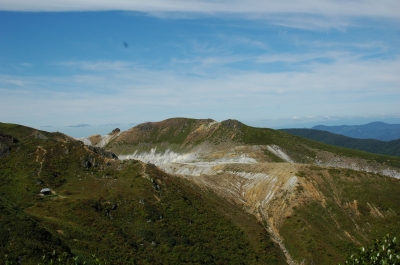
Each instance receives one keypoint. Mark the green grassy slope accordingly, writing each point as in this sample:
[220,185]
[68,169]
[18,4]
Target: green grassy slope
[323,233]
[23,236]
[125,212]
[356,208]
[179,135]
[302,148]
[391,148]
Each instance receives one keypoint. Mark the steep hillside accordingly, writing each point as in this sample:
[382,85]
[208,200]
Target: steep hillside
[391,148]
[226,193]
[374,130]
[189,140]
[318,202]
[124,212]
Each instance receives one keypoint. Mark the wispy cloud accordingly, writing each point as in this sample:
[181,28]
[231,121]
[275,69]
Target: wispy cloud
[80,125]
[244,41]
[15,82]
[111,124]
[346,85]
[96,66]
[291,13]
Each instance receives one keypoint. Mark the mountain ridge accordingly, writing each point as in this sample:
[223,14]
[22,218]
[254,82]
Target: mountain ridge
[124,212]
[292,200]
[235,161]
[374,130]
[391,148]
[207,138]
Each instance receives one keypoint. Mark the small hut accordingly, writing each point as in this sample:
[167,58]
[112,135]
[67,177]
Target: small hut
[45,191]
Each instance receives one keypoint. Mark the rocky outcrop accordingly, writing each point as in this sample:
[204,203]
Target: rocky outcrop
[4,150]
[8,138]
[115,131]
[102,152]
[98,140]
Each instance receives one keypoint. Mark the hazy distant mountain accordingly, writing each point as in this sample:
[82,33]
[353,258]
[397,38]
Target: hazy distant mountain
[374,130]
[80,125]
[391,148]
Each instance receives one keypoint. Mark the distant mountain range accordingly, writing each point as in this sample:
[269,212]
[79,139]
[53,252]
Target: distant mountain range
[391,148]
[374,130]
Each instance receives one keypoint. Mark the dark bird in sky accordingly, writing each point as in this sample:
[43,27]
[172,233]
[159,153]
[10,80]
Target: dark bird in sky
[126,45]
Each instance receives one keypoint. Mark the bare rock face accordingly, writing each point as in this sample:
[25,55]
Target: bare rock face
[145,127]
[115,131]
[5,141]
[232,124]
[102,152]
[8,138]
[4,150]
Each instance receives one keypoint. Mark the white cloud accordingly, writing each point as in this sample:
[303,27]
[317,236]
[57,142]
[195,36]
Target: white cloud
[292,13]
[16,82]
[346,86]
[97,66]
[240,40]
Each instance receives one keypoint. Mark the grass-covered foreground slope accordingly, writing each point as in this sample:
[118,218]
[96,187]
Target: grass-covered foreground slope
[391,148]
[336,211]
[124,212]
[319,214]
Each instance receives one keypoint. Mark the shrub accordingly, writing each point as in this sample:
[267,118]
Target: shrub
[384,251]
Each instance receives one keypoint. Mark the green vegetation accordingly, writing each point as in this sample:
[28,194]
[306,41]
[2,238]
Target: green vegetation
[302,150]
[390,148]
[385,251]
[179,135]
[57,259]
[128,212]
[124,212]
[354,208]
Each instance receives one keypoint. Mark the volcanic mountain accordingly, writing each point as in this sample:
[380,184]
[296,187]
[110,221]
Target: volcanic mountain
[312,198]
[290,200]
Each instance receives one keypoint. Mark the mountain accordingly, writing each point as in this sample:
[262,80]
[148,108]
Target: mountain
[200,191]
[391,148]
[374,130]
[124,212]
[317,201]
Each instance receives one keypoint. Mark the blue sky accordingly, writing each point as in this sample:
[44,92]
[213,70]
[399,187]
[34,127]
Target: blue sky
[266,63]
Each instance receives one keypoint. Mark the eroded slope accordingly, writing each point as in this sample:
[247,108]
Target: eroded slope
[126,212]
[299,189]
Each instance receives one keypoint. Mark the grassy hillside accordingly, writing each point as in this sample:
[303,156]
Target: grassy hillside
[352,209]
[390,148]
[24,237]
[303,149]
[124,212]
[180,135]
[334,210]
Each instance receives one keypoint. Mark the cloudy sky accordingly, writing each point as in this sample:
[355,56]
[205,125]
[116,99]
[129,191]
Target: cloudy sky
[266,63]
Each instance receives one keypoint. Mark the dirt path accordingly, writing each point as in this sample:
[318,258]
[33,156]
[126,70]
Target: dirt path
[39,148]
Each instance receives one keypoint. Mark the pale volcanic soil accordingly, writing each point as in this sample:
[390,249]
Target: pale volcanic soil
[243,176]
